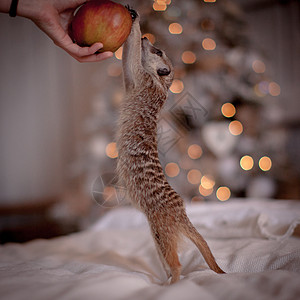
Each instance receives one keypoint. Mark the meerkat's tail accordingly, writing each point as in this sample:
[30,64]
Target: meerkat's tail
[190,231]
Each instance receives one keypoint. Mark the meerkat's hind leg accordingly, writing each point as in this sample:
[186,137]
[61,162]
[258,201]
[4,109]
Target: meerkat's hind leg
[162,259]
[173,261]
[167,249]
[190,231]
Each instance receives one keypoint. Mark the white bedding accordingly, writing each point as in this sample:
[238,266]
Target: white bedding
[252,241]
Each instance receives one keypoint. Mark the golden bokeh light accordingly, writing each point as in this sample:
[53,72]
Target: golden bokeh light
[159,6]
[210,1]
[177,86]
[111,150]
[150,37]
[265,163]
[172,169]
[194,176]
[163,2]
[205,192]
[207,182]
[228,110]
[188,57]
[235,127]
[258,66]
[194,151]
[246,162]
[175,28]
[274,89]
[223,193]
[118,53]
[209,44]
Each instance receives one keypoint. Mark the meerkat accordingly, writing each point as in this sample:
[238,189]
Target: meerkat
[148,74]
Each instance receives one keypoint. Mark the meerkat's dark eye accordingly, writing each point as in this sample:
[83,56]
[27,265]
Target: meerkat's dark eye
[159,53]
[156,51]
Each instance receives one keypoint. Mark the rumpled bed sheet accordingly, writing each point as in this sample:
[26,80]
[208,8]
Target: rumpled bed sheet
[254,241]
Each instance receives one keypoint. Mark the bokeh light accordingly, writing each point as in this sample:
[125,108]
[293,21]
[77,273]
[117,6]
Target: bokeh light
[194,151]
[172,169]
[208,44]
[246,162]
[207,182]
[205,192]
[258,66]
[228,110]
[177,86]
[163,1]
[159,6]
[209,1]
[194,176]
[235,127]
[263,87]
[265,163]
[118,53]
[223,193]
[175,28]
[188,57]
[257,91]
[274,89]
[150,37]
[111,150]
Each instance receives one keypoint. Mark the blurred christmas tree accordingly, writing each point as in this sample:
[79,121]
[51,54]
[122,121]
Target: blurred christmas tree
[216,134]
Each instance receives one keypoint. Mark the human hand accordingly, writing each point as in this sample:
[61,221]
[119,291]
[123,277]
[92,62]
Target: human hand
[53,17]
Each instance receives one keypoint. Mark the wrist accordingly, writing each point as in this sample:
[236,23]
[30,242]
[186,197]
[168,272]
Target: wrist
[13,8]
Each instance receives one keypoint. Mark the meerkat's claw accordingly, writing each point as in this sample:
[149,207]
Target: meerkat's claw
[133,13]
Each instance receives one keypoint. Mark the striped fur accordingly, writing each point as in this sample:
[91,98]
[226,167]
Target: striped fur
[139,169]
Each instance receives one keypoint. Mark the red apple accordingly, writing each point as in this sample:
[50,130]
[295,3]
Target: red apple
[101,21]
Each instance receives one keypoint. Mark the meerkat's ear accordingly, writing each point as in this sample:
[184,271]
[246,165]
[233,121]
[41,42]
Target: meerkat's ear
[163,71]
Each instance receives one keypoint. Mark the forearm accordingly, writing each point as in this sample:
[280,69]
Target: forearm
[25,8]
[132,65]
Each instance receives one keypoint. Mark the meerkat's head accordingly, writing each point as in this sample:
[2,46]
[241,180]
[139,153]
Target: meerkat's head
[157,63]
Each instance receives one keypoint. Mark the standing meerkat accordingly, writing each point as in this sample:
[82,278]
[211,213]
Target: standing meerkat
[148,74]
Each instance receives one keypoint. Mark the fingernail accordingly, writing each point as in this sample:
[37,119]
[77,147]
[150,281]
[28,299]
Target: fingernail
[100,45]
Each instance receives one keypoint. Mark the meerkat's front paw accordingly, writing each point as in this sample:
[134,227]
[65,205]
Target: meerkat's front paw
[132,12]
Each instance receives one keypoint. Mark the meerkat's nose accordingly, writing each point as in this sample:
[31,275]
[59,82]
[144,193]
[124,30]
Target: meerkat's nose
[163,71]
